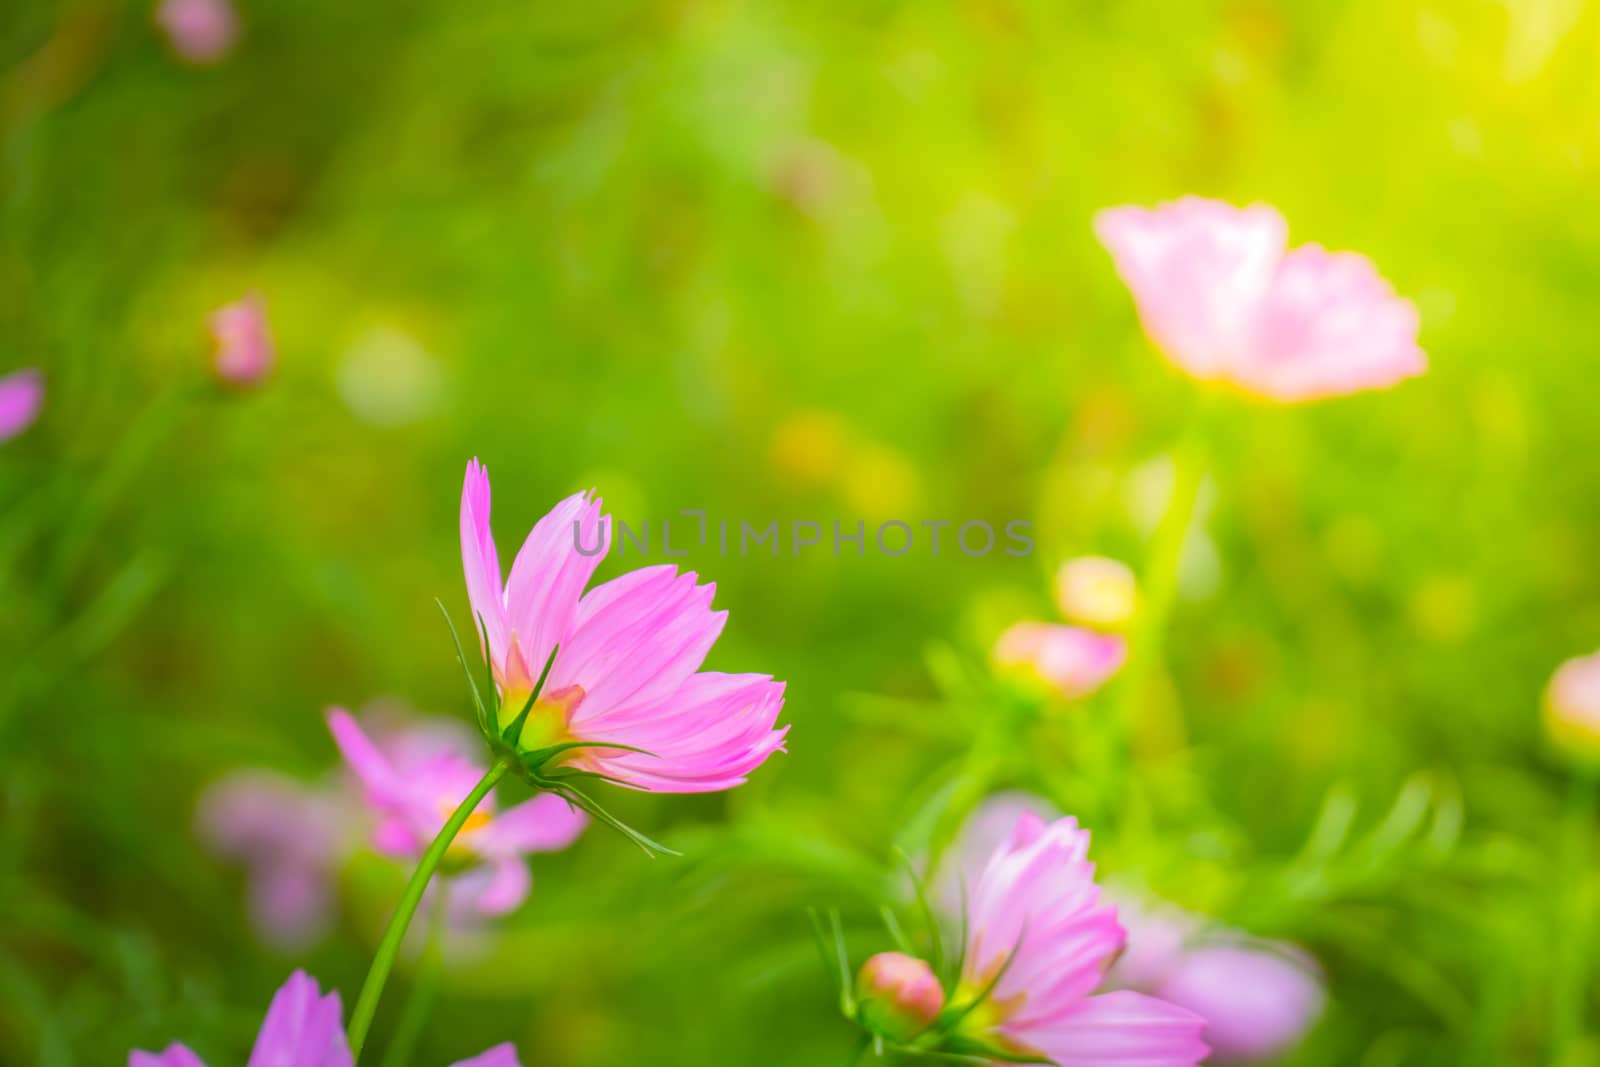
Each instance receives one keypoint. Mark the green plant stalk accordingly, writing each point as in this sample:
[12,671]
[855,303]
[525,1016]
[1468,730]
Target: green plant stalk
[388,948]
[1158,587]
[424,988]
[1571,992]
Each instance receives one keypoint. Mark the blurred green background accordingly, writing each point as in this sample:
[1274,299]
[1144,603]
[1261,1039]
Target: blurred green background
[793,261]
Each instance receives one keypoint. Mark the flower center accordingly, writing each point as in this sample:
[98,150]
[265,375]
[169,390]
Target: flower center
[548,720]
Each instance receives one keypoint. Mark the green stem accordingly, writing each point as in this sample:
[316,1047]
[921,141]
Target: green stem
[1571,992]
[389,947]
[424,988]
[1158,587]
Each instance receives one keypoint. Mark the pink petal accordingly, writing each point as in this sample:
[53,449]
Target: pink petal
[491,889]
[21,398]
[1068,659]
[1121,1030]
[499,1056]
[201,31]
[363,757]
[244,352]
[549,575]
[546,823]
[171,1056]
[482,565]
[1329,324]
[1258,1001]
[303,1028]
[635,639]
[708,735]
[988,827]
[1198,270]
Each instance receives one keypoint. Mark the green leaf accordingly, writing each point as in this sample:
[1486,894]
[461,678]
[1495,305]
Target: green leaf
[461,657]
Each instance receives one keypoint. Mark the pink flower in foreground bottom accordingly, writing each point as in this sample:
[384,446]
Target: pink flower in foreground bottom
[1036,923]
[21,397]
[416,785]
[244,352]
[1070,660]
[303,1028]
[627,655]
[1223,296]
[201,31]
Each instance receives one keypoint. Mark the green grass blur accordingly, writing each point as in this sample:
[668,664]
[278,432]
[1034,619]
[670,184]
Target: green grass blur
[790,261]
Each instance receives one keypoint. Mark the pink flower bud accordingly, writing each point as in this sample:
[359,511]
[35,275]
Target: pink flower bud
[1097,591]
[1572,707]
[243,345]
[899,995]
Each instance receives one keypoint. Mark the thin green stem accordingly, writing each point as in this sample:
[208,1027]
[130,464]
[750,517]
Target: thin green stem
[1571,991]
[424,989]
[1158,588]
[389,947]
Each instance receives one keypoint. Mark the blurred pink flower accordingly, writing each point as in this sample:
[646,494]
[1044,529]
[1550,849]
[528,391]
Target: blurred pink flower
[1072,661]
[290,837]
[244,351]
[303,1028]
[200,31]
[626,655]
[21,397]
[1572,707]
[1258,1000]
[416,782]
[1223,296]
[1036,923]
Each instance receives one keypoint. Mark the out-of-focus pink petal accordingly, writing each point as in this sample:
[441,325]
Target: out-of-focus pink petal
[635,639]
[303,1028]
[1037,906]
[1122,1030]
[499,1056]
[363,757]
[708,735]
[21,398]
[1329,324]
[1572,707]
[1257,1001]
[491,889]
[1068,659]
[549,575]
[1157,936]
[200,31]
[171,1056]
[481,564]
[986,829]
[546,823]
[291,907]
[244,351]
[1197,270]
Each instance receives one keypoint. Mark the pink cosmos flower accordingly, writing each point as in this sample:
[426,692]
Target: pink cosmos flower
[1572,707]
[291,837]
[21,397]
[415,787]
[244,352]
[1068,659]
[303,1028]
[626,655]
[1038,932]
[1258,1000]
[1223,296]
[200,31]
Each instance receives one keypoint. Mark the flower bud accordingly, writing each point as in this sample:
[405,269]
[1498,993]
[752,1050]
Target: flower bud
[1097,591]
[1572,708]
[243,345]
[899,995]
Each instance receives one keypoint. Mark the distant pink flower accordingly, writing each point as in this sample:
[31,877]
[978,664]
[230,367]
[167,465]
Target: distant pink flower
[1223,296]
[291,837]
[1096,591]
[414,788]
[627,655]
[1258,1000]
[201,31]
[1572,707]
[244,352]
[303,1028]
[1072,661]
[1036,921]
[21,397]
